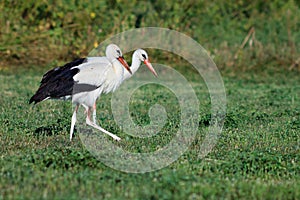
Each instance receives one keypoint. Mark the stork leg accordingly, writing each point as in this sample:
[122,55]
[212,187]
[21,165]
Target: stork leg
[94,113]
[86,108]
[73,121]
[90,123]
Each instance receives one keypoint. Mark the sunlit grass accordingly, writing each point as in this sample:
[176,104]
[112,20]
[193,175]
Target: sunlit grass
[254,44]
[257,154]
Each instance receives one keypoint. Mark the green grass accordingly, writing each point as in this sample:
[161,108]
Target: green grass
[257,154]
[256,157]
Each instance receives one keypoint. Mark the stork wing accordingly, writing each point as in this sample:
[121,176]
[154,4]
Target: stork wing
[92,74]
[53,73]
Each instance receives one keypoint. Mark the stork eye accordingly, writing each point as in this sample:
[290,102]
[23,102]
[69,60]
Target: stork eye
[144,56]
[119,52]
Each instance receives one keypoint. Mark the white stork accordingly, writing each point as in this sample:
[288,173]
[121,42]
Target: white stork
[84,80]
[138,57]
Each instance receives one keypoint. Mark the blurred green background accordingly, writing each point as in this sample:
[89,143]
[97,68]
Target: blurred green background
[259,33]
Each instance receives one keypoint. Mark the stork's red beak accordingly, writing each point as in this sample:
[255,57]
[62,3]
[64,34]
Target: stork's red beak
[149,65]
[124,63]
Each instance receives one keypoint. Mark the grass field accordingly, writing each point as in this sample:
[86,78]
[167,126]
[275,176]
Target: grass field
[255,45]
[257,155]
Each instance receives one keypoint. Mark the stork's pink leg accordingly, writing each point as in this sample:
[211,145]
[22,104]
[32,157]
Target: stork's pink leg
[94,113]
[86,108]
[73,121]
[90,123]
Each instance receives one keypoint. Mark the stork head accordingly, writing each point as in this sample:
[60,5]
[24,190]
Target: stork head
[143,56]
[114,52]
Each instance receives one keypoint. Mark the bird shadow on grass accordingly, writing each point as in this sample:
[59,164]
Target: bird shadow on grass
[50,129]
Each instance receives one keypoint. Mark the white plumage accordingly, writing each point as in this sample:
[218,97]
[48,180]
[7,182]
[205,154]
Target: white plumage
[84,80]
[138,57]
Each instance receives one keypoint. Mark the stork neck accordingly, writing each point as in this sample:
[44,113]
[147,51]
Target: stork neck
[135,64]
[117,67]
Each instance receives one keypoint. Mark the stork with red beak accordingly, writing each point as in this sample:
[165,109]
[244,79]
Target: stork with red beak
[84,80]
[138,57]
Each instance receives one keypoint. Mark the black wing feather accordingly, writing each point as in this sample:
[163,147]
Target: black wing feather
[58,82]
[59,70]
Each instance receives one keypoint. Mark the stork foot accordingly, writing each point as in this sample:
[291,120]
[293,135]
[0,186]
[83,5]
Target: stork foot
[88,122]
